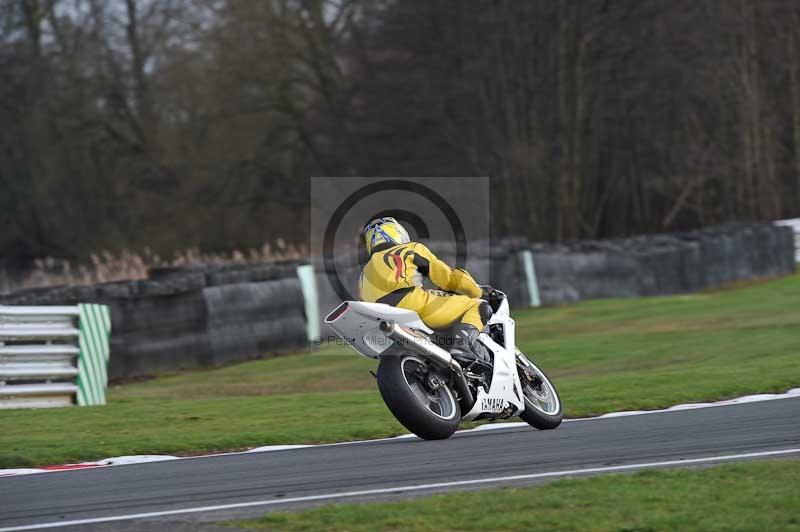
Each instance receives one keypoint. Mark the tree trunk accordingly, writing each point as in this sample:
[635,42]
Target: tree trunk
[752,108]
[144,110]
[794,89]
[566,215]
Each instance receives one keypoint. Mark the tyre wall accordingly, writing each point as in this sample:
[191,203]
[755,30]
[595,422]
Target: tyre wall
[662,264]
[209,315]
[191,317]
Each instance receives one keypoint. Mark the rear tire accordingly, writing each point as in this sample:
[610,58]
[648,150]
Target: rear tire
[406,397]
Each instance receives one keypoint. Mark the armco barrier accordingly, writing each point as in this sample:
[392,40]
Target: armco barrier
[53,356]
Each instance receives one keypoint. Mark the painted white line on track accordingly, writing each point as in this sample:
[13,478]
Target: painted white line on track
[756,398]
[138,459]
[407,489]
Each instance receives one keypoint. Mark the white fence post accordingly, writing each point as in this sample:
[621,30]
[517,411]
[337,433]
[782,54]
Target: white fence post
[53,356]
[308,285]
[795,225]
[530,278]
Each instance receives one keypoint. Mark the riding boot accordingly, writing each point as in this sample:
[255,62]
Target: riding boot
[465,344]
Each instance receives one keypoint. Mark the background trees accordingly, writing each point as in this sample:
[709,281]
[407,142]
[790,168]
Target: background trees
[175,123]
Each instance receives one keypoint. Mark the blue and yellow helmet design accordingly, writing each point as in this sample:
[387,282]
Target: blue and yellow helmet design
[384,231]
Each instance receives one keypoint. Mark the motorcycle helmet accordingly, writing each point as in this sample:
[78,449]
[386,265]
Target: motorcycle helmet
[384,231]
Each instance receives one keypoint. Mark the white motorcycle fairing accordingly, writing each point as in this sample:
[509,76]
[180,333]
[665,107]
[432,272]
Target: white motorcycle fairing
[358,324]
[505,390]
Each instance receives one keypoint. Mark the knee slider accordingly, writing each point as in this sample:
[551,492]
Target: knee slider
[485,311]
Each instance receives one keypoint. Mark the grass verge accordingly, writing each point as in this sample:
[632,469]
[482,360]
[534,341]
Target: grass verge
[603,355]
[735,497]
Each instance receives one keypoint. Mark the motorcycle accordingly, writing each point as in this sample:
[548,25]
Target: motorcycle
[427,389]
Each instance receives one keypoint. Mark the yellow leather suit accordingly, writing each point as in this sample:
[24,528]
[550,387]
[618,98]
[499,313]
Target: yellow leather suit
[394,276]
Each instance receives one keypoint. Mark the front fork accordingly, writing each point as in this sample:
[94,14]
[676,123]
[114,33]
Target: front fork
[525,373]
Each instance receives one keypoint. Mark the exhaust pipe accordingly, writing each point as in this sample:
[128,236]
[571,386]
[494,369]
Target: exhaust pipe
[422,346]
[436,354]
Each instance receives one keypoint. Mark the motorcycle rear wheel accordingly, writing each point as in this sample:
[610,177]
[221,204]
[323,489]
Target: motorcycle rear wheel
[431,414]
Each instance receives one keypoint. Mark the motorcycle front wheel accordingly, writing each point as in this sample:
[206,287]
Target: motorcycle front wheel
[543,408]
[417,396]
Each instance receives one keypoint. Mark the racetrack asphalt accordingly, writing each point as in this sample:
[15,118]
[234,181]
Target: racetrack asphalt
[177,494]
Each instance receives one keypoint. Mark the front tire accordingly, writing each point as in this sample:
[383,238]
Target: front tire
[543,408]
[430,414]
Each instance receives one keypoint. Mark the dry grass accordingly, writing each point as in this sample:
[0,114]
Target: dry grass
[106,266]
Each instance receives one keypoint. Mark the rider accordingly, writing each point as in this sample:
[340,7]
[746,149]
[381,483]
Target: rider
[393,275]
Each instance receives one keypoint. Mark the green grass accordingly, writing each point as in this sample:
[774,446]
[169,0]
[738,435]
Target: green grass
[603,356]
[755,496]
